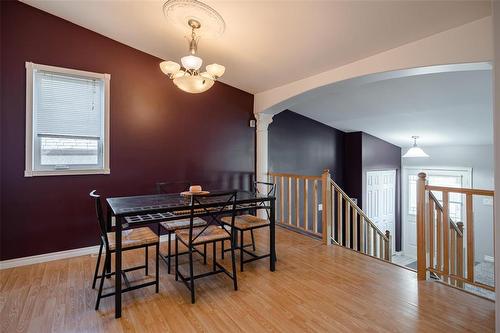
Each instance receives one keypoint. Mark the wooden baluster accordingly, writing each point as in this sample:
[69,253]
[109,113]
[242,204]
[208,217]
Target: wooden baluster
[388,246]
[355,229]
[431,233]
[470,237]
[347,214]
[368,239]
[421,255]
[439,238]
[381,246]
[282,199]
[446,234]
[327,207]
[460,254]
[362,234]
[339,219]
[290,200]
[297,204]
[332,211]
[306,204]
[315,206]
[453,250]
[374,231]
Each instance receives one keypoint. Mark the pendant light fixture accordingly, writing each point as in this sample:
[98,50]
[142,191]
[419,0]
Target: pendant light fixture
[187,76]
[415,151]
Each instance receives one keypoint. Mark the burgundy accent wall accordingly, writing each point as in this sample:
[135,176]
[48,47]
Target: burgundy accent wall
[364,153]
[301,145]
[158,133]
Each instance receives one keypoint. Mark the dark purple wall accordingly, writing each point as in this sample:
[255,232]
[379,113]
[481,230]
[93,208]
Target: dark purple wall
[378,154]
[300,145]
[157,132]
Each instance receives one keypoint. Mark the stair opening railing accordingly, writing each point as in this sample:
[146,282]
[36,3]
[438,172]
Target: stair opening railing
[318,206]
[444,248]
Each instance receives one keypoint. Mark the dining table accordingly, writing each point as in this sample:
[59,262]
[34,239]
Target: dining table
[142,210]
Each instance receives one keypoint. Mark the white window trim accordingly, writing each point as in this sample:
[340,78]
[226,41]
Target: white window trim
[29,172]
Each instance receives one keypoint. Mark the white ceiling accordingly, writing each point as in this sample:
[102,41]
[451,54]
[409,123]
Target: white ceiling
[271,43]
[453,108]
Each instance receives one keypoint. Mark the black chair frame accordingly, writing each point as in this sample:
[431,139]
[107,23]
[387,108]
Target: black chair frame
[160,189]
[104,244]
[212,211]
[241,246]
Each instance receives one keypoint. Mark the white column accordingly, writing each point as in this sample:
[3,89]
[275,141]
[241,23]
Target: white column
[262,165]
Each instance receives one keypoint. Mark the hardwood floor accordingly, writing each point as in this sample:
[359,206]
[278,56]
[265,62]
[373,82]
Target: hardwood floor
[315,288]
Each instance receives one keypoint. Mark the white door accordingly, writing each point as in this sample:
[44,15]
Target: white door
[435,176]
[381,199]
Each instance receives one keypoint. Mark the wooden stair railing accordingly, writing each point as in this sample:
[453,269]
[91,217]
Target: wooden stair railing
[440,241]
[341,222]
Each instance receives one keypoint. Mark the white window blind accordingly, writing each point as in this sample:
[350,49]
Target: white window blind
[69,114]
[68,105]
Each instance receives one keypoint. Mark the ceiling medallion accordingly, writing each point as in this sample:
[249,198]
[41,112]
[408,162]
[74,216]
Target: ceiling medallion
[202,21]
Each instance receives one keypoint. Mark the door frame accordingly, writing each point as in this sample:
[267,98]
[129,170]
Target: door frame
[404,194]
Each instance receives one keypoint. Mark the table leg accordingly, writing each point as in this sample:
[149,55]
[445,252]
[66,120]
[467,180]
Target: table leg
[118,268]
[272,237]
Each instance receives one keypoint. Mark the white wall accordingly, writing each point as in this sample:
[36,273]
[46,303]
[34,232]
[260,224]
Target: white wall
[496,124]
[480,159]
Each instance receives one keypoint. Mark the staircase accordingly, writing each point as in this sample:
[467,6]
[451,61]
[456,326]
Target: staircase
[445,248]
[317,206]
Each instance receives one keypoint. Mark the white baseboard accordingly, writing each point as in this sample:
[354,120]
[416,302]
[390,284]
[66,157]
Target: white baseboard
[54,256]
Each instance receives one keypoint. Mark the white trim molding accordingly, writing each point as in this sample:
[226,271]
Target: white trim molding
[29,143]
[46,257]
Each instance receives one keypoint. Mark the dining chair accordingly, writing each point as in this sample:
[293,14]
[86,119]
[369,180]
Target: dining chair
[213,205]
[131,239]
[170,227]
[249,222]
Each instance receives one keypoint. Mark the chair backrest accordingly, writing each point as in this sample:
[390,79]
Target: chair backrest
[100,217]
[270,190]
[172,187]
[213,205]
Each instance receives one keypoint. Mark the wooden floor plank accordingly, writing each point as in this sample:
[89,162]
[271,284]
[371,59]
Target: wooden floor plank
[315,288]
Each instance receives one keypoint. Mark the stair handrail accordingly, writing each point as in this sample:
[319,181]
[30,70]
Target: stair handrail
[450,220]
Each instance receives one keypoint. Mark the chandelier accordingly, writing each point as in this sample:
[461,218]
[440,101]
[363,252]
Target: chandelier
[187,75]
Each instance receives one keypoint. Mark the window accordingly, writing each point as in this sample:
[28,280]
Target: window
[441,177]
[67,121]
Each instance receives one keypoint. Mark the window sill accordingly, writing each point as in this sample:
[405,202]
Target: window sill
[66,172]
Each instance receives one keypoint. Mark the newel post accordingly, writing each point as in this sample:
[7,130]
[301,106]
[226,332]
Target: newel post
[326,214]
[421,252]
[388,246]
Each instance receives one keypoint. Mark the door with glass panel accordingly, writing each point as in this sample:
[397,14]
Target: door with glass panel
[438,177]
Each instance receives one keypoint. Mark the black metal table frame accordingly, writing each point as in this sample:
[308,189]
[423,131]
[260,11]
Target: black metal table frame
[245,204]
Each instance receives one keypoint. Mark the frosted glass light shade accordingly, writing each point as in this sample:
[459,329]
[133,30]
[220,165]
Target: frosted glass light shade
[169,67]
[191,62]
[193,84]
[415,152]
[216,70]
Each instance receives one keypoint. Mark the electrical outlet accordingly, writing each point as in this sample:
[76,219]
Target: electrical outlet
[320,207]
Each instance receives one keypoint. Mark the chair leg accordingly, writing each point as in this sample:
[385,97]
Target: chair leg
[205,253]
[157,266]
[169,252]
[233,265]
[146,260]
[253,240]
[241,250]
[176,259]
[222,250]
[101,283]
[97,266]
[191,274]
[214,255]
